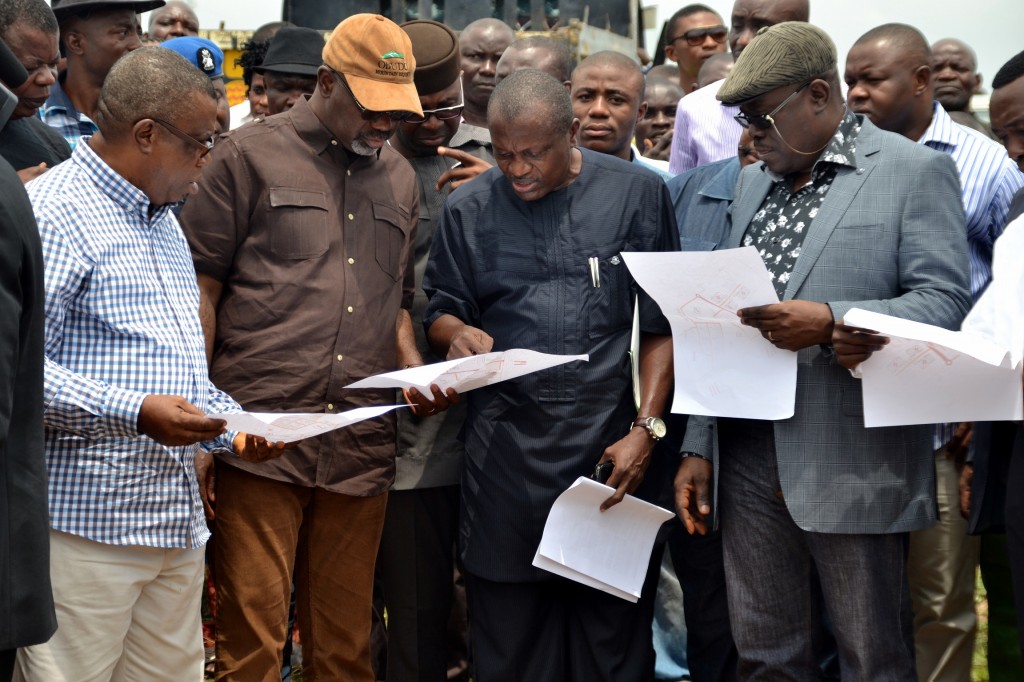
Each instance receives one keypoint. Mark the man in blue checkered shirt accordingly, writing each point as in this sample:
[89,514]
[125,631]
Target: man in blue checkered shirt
[126,383]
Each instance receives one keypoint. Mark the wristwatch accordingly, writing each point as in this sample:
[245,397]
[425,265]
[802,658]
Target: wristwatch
[656,428]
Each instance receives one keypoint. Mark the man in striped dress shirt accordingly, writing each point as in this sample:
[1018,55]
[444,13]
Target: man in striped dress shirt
[889,78]
[126,384]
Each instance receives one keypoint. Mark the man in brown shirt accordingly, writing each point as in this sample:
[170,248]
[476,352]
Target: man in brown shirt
[302,237]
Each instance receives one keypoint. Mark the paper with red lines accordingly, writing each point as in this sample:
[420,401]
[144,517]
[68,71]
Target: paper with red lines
[469,373]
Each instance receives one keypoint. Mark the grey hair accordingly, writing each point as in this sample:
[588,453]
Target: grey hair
[526,91]
[151,82]
[35,13]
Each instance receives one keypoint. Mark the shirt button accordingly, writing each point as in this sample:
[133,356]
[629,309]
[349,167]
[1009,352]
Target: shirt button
[351,309]
[351,261]
[351,217]
[330,406]
[334,143]
[340,358]
[348,172]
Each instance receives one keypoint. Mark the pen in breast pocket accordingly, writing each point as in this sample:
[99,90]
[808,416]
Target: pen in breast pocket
[595,271]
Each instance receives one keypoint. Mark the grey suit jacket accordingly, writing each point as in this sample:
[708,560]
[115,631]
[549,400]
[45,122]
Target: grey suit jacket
[890,238]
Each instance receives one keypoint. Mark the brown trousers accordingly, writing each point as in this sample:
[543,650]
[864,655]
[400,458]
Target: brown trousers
[265,529]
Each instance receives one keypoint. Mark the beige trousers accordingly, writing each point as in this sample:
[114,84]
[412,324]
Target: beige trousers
[123,613]
[942,564]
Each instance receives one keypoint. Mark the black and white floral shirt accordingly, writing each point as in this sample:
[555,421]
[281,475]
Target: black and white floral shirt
[779,226]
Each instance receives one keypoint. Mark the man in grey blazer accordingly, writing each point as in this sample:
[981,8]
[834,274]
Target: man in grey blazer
[815,510]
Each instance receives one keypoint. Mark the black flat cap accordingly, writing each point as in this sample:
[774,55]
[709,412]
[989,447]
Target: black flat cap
[296,50]
[436,48]
[66,8]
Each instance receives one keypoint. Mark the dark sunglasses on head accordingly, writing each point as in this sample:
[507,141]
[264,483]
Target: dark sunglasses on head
[696,36]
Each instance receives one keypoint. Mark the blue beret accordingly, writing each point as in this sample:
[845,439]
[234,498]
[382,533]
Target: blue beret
[207,57]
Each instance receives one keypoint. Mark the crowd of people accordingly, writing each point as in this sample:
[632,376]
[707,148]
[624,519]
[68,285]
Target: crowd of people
[398,195]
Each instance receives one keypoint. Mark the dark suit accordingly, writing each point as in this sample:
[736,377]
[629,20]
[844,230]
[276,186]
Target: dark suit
[26,604]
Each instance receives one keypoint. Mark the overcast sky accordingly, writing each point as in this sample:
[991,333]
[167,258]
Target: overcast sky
[994,28]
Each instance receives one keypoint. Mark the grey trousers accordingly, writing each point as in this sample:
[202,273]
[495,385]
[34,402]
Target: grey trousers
[785,583]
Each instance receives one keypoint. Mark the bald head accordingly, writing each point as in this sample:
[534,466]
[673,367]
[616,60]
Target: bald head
[527,93]
[481,45]
[550,55]
[888,76]
[174,20]
[955,74]
[715,69]
[750,16]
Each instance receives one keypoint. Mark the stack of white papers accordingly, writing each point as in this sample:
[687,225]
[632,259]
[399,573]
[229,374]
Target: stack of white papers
[929,375]
[722,368]
[289,427]
[469,373]
[610,550]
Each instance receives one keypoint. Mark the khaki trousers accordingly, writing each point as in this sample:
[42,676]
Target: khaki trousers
[941,567]
[266,533]
[123,613]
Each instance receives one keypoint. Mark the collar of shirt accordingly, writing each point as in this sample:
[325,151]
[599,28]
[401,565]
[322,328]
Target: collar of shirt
[318,136]
[943,133]
[114,185]
[841,149]
[468,132]
[58,101]
[650,164]
[723,185]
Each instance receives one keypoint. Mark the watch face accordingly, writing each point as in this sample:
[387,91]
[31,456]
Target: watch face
[658,428]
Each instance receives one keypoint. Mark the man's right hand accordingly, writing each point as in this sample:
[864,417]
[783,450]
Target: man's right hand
[469,167]
[31,173]
[659,149]
[966,474]
[693,493]
[469,341]
[171,420]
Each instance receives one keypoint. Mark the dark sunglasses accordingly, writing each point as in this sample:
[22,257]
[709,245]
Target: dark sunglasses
[394,116]
[206,146]
[696,36]
[765,121]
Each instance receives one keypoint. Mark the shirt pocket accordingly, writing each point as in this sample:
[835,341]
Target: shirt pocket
[298,219]
[610,305]
[389,227]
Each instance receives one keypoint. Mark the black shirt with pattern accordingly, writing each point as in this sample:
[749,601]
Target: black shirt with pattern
[779,226]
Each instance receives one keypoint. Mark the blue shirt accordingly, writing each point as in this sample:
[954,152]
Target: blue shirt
[988,179]
[702,197]
[519,271]
[60,114]
[122,322]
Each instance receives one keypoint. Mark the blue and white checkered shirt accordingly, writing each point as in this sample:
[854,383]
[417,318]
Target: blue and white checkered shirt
[122,322]
[989,180]
[60,114]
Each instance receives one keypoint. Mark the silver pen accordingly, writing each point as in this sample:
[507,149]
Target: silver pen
[595,272]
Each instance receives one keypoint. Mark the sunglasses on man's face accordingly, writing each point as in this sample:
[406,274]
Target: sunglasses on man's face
[370,115]
[696,36]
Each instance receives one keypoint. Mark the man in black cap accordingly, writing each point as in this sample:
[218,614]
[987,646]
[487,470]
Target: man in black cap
[289,69]
[95,34]
[816,509]
[415,563]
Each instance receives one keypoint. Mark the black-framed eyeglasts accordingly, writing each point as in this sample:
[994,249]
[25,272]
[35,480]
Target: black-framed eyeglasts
[368,115]
[206,146]
[765,121]
[696,36]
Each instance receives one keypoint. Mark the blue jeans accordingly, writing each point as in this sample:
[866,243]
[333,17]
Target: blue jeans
[784,583]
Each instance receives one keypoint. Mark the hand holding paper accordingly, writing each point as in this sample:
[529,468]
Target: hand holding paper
[607,550]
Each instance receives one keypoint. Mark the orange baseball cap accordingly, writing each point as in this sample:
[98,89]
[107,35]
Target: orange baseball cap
[375,55]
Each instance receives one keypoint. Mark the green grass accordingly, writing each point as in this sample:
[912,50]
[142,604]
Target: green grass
[979,671]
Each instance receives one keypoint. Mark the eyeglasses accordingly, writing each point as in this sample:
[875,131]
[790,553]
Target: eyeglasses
[765,121]
[442,114]
[206,146]
[696,36]
[394,116]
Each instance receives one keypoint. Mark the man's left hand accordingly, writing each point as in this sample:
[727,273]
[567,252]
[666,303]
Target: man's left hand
[791,325]
[854,345]
[255,449]
[422,406]
[659,149]
[630,455]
